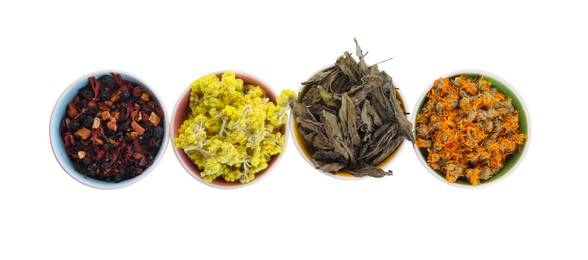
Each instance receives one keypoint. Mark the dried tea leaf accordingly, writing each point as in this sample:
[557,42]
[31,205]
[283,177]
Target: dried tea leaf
[315,134]
[329,167]
[339,83]
[329,156]
[336,135]
[380,141]
[348,121]
[374,115]
[317,109]
[359,93]
[389,148]
[405,125]
[371,171]
[301,111]
[362,66]
[311,97]
[327,97]
[318,78]
[349,67]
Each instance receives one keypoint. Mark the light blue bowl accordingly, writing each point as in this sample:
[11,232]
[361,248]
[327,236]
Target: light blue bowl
[58,145]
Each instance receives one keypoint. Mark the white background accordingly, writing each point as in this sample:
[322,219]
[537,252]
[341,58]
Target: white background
[295,212]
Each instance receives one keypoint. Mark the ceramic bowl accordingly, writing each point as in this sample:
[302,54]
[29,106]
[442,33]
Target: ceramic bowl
[180,114]
[306,150]
[513,160]
[57,142]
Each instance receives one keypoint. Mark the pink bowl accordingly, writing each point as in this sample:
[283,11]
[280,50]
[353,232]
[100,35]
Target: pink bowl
[180,114]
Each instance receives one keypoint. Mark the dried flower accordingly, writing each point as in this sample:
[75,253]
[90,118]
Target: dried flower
[467,128]
[233,129]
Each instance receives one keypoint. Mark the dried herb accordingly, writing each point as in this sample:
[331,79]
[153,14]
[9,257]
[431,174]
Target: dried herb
[350,117]
[233,130]
[112,129]
[467,128]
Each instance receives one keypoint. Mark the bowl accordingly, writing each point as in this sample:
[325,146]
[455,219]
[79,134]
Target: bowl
[512,161]
[58,145]
[180,114]
[306,150]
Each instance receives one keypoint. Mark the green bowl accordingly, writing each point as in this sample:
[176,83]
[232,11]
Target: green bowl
[513,161]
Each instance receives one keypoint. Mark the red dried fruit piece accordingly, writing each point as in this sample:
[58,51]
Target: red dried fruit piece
[105,115]
[83,133]
[140,130]
[69,140]
[112,124]
[96,123]
[103,106]
[72,110]
[138,91]
[154,119]
[101,154]
[95,87]
[138,156]
[116,114]
[115,153]
[145,96]
[116,96]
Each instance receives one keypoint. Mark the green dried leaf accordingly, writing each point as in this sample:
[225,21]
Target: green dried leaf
[371,171]
[327,97]
[367,121]
[405,125]
[389,148]
[317,137]
[319,77]
[311,96]
[374,115]
[317,109]
[362,66]
[301,111]
[334,133]
[348,120]
[340,83]
[327,156]
[381,140]
[329,167]
[349,67]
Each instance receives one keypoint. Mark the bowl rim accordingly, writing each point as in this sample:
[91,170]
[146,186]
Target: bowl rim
[523,110]
[181,156]
[56,143]
[344,175]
